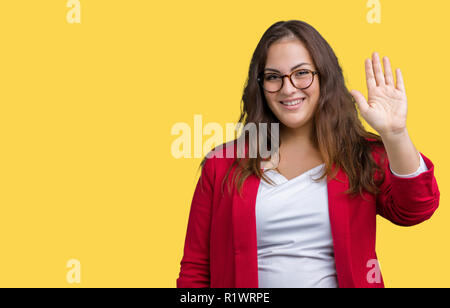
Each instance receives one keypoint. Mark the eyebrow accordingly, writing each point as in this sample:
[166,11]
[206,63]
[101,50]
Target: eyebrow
[274,70]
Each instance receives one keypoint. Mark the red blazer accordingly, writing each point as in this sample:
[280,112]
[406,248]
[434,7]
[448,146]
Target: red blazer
[220,248]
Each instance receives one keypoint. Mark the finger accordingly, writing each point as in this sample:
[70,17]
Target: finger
[379,76]
[388,71]
[370,78]
[360,101]
[400,83]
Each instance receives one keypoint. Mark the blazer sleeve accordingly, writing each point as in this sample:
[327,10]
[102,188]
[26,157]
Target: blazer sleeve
[195,270]
[408,201]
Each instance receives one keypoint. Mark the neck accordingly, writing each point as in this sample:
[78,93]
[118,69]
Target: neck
[297,137]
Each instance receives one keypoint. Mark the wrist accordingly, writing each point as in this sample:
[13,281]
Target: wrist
[395,136]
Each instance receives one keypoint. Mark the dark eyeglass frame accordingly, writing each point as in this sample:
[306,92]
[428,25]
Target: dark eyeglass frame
[261,81]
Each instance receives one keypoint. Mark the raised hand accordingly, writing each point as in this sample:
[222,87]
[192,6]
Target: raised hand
[386,106]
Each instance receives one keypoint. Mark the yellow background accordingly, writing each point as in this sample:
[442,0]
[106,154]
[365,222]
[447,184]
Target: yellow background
[86,111]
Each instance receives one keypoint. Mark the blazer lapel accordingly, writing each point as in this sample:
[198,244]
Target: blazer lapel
[244,234]
[338,208]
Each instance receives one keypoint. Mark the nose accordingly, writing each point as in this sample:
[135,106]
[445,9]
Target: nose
[288,88]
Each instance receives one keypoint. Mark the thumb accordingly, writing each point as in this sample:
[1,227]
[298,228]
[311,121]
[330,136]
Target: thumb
[360,101]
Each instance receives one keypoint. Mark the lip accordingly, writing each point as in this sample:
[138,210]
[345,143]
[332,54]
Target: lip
[295,107]
[293,99]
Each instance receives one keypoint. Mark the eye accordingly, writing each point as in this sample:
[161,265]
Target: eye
[270,77]
[302,73]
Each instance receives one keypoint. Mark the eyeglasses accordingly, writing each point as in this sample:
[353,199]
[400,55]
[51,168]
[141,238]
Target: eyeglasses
[301,79]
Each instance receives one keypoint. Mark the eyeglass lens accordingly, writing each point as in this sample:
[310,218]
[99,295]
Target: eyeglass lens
[300,79]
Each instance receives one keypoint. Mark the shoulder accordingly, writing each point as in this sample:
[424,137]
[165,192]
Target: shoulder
[221,157]
[379,155]
[377,149]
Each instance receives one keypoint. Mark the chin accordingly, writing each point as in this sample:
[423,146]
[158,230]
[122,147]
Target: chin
[293,123]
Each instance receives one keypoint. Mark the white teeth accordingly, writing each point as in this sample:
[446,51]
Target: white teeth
[293,103]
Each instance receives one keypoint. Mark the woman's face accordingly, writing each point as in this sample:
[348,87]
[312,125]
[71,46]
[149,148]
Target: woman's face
[283,57]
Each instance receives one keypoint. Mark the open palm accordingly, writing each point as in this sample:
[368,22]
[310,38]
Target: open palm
[386,107]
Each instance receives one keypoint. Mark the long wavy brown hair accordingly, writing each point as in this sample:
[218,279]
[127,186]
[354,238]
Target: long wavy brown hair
[337,131]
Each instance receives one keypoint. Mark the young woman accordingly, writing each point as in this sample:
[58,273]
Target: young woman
[277,226]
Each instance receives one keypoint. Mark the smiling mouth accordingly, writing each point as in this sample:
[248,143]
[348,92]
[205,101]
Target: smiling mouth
[293,103]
